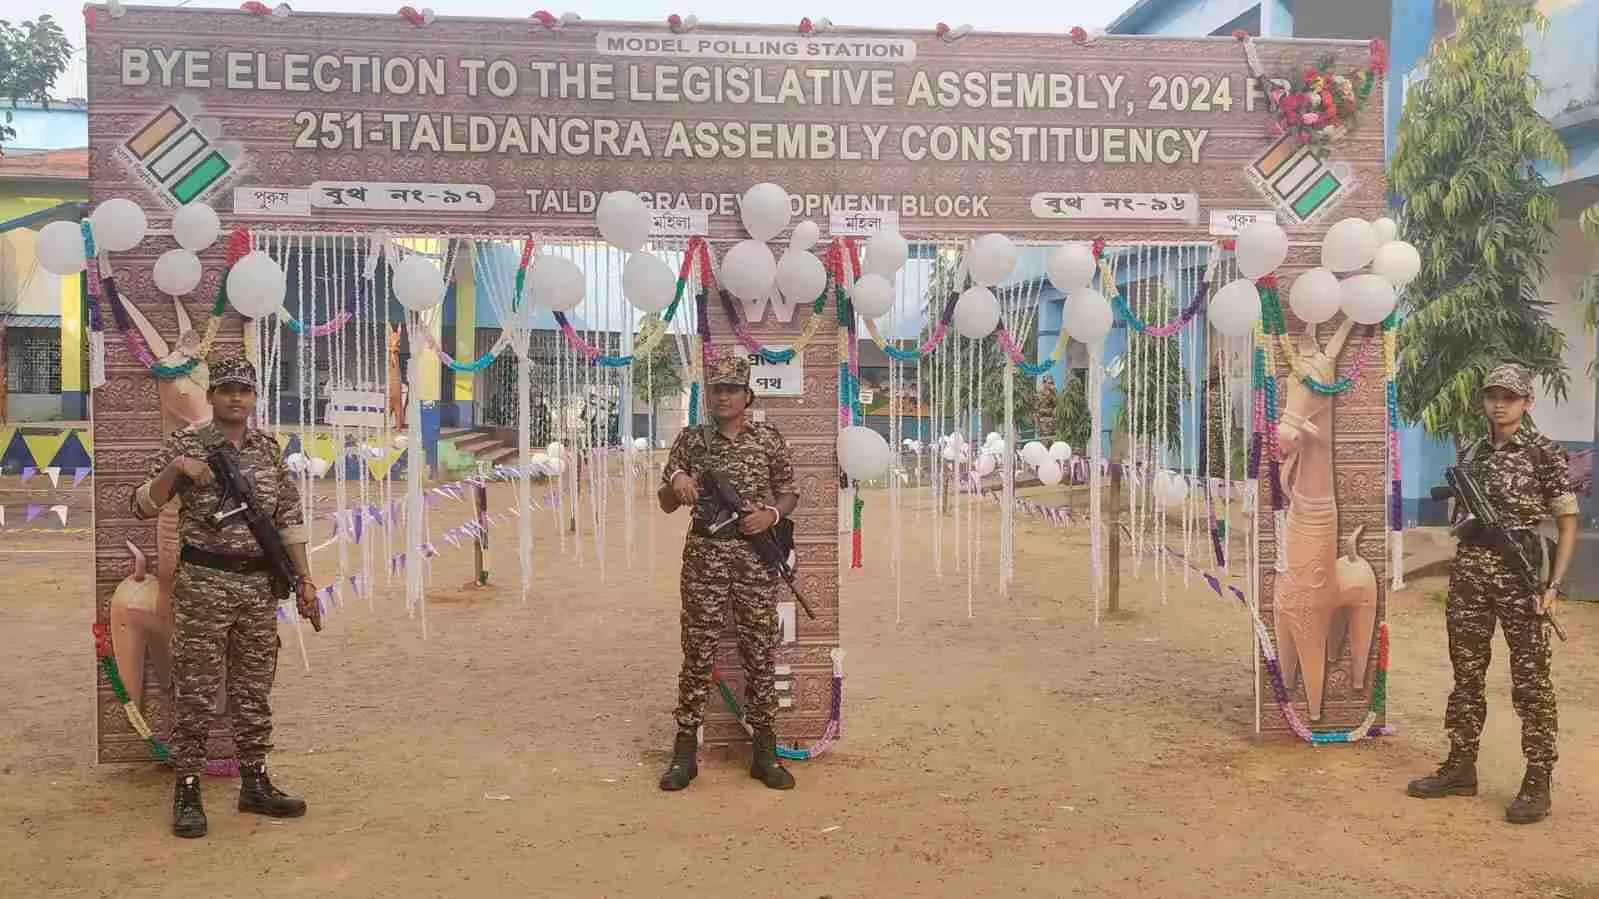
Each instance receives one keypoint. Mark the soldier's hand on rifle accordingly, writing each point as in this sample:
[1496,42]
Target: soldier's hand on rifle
[758,521]
[684,489]
[1549,602]
[193,470]
[305,595]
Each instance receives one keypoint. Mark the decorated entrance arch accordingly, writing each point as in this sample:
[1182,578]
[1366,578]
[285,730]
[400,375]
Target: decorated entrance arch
[453,139]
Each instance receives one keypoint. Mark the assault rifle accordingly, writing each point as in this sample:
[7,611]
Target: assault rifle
[729,508]
[1483,523]
[239,499]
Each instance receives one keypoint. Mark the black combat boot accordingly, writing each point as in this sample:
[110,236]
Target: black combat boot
[1456,777]
[765,767]
[258,795]
[685,765]
[1531,805]
[188,815]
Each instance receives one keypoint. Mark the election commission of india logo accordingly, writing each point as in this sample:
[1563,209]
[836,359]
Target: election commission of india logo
[179,155]
[1302,186]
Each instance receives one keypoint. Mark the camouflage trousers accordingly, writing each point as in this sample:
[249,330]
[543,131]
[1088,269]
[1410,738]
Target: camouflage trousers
[226,624]
[1044,426]
[1481,593]
[718,576]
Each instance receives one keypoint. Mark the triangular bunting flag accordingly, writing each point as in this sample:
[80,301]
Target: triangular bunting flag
[28,472]
[54,474]
[79,475]
[33,512]
[2,516]
[61,512]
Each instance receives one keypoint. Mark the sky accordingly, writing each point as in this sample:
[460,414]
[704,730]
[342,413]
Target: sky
[994,15]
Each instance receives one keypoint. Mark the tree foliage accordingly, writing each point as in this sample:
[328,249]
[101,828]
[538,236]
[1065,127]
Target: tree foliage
[980,367]
[32,56]
[1588,294]
[1073,417]
[658,374]
[1482,217]
[1153,381]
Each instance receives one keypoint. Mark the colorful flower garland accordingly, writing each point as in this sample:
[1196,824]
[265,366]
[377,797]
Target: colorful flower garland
[158,748]
[830,733]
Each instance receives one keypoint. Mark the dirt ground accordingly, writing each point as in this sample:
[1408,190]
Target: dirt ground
[1015,751]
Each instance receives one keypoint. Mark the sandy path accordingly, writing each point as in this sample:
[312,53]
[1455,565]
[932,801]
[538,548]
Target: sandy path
[1019,752]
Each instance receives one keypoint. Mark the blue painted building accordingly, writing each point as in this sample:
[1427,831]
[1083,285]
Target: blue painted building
[1566,60]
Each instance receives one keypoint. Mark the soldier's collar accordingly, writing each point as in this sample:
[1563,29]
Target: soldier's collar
[1524,437]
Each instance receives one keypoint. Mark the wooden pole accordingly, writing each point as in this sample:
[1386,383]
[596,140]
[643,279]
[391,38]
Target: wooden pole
[480,548]
[1117,447]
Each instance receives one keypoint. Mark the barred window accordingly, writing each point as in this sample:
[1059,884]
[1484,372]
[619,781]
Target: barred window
[33,360]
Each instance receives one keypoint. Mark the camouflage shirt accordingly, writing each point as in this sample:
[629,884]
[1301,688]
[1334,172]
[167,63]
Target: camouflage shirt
[1527,478]
[756,461]
[260,459]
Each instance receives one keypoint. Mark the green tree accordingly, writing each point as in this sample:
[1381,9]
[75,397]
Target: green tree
[658,375]
[1152,371]
[1588,294]
[939,383]
[1482,217]
[1073,416]
[32,56]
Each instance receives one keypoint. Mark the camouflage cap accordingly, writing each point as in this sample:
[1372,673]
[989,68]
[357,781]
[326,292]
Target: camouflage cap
[727,368]
[1511,378]
[232,370]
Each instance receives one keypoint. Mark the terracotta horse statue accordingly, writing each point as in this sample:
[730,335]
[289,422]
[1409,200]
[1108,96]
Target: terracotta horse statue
[141,619]
[1321,596]
[396,385]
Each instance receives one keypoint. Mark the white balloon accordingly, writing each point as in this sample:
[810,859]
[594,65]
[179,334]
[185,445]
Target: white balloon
[764,211]
[1315,296]
[976,313]
[950,454]
[862,453]
[195,227]
[1034,453]
[1050,473]
[118,225]
[804,236]
[1397,261]
[400,441]
[990,259]
[873,295]
[556,466]
[1060,451]
[1170,489]
[623,219]
[556,283]
[1262,247]
[555,450]
[296,462]
[801,277]
[319,466]
[986,463]
[1235,309]
[886,253]
[418,283]
[1349,245]
[648,282]
[177,272]
[1071,266]
[1087,315]
[59,248]
[1387,229]
[1368,299]
[256,285]
[641,443]
[750,272]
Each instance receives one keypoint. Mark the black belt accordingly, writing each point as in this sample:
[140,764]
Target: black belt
[220,562]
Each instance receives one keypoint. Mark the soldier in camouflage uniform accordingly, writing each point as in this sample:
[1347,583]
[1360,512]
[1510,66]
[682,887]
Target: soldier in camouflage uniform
[1525,476]
[222,598]
[722,571]
[1044,402]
